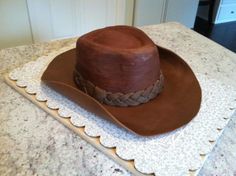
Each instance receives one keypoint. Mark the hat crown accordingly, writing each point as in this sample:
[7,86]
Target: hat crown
[118,37]
[118,59]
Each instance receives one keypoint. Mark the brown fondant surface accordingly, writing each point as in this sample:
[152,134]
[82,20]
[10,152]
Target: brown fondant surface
[118,59]
[175,106]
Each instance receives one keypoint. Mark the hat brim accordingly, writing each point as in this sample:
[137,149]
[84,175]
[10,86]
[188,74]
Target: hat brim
[177,104]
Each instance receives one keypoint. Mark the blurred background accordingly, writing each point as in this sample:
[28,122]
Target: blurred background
[30,21]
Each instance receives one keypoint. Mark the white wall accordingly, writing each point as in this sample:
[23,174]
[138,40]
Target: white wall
[157,11]
[14,23]
[182,11]
[148,12]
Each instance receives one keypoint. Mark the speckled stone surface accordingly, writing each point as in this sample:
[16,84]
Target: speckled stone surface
[33,143]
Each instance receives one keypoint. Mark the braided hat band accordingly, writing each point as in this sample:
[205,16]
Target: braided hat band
[119,99]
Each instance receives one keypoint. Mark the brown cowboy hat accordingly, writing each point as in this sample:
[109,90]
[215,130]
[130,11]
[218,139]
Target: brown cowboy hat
[95,69]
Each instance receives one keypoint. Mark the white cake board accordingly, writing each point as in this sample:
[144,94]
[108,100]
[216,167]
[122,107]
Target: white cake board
[181,152]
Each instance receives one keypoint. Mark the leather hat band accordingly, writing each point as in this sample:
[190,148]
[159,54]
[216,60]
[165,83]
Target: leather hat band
[119,99]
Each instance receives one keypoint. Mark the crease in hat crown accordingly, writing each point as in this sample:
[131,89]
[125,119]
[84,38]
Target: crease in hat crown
[118,65]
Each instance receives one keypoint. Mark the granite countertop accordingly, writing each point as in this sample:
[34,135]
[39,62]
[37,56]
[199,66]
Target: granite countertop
[33,143]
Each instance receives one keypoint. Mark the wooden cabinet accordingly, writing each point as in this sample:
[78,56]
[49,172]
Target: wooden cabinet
[27,21]
[14,23]
[54,19]
[30,21]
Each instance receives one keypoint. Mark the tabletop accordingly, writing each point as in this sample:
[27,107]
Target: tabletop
[33,143]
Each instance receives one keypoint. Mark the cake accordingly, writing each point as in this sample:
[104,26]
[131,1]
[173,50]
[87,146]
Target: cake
[118,65]
[114,73]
